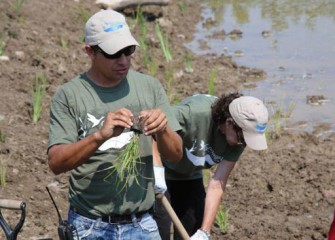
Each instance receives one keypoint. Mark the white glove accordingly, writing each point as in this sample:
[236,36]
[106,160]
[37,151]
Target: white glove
[200,235]
[160,184]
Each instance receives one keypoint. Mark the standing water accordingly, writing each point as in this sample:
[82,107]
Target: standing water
[292,41]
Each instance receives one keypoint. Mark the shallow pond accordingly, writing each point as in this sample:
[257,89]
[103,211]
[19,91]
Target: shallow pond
[292,41]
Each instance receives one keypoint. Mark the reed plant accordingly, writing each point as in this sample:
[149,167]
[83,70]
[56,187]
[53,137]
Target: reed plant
[3,171]
[127,164]
[212,81]
[2,137]
[222,219]
[17,5]
[163,41]
[189,63]
[2,44]
[63,42]
[278,118]
[38,94]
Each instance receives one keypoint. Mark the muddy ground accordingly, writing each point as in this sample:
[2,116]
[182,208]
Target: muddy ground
[286,192]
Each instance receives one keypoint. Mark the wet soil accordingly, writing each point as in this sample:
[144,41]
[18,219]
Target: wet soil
[286,192]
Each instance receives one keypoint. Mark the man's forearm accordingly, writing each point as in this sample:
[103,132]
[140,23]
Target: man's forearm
[213,198]
[65,157]
[169,144]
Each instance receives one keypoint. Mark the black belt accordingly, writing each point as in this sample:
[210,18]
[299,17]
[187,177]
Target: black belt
[118,219]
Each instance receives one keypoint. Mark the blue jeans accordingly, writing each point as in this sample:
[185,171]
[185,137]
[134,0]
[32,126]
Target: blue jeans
[90,229]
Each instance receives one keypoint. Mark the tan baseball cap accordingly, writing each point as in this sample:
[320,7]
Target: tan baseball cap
[251,116]
[109,30]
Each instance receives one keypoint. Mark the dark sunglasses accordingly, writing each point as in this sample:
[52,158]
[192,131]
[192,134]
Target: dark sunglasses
[127,51]
[239,133]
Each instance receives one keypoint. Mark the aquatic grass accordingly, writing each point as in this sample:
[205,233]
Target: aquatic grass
[163,41]
[63,42]
[38,95]
[189,63]
[126,165]
[222,219]
[169,82]
[212,81]
[278,118]
[17,5]
[2,44]
[2,137]
[3,171]
[182,6]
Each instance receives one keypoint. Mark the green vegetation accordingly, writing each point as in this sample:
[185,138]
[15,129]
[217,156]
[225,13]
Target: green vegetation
[222,219]
[3,171]
[2,137]
[182,6]
[126,164]
[38,94]
[163,40]
[63,42]
[17,5]
[2,44]
[212,81]
[277,120]
[189,63]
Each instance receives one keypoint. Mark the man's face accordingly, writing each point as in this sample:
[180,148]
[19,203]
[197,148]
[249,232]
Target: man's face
[113,67]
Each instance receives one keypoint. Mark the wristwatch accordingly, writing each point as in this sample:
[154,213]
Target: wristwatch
[205,232]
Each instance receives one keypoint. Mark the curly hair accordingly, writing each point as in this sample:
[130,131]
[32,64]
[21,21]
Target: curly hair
[220,108]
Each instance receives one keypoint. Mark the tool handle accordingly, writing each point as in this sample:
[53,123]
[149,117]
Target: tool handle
[173,216]
[12,204]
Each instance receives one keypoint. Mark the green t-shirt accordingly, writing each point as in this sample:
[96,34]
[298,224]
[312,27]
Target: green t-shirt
[203,144]
[78,109]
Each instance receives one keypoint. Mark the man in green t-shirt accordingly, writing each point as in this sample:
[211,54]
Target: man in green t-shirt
[91,118]
[215,131]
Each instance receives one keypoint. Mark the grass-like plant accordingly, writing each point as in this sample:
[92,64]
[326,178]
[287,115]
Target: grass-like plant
[38,94]
[163,41]
[169,82]
[222,219]
[2,44]
[212,81]
[127,163]
[2,137]
[182,6]
[63,42]
[17,5]
[277,120]
[189,63]
[3,171]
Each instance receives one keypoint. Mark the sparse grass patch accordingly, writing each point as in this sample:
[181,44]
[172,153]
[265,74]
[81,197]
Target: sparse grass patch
[63,42]
[17,6]
[3,171]
[2,137]
[278,118]
[189,63]
[212,81]
[163,41]
[38,95]
[222,219]
[2,44]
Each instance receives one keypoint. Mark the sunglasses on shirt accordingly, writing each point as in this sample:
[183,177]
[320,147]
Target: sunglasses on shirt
[127,51]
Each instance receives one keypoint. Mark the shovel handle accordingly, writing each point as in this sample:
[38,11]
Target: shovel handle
[12,204]
[179,226]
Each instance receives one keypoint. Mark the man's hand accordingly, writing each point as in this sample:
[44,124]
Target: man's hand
[115,123]
[154,120]
[160,184]
[200,235]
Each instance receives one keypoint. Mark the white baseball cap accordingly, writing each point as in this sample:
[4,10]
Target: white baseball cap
[109,30]
[251,116]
